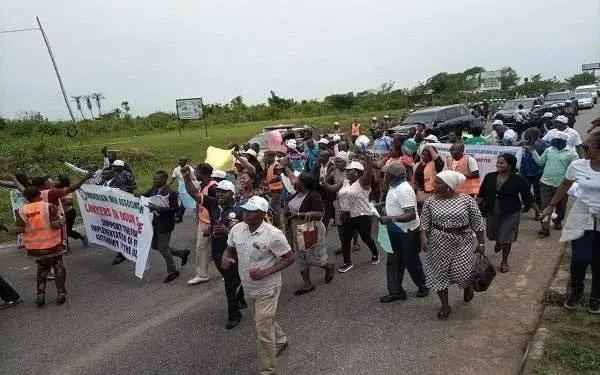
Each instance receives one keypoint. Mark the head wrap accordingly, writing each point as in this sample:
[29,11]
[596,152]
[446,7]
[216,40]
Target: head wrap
[452,179]
[409,147]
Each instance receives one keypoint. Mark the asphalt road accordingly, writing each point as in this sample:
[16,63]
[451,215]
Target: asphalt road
[116,323]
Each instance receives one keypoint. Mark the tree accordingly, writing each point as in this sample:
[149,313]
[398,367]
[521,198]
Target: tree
[581,79]
[125,109]
[278,102]
[510,78]
[340,101]
[237,102]
[474,72]
[77,100]
[97,96]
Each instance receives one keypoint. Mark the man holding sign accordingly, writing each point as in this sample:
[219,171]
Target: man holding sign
[164,204]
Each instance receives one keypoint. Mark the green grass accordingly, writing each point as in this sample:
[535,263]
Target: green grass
[146,153]
[573,346]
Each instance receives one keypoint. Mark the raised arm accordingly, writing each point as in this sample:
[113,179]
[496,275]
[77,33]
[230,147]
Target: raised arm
[191,189]
[367,177]
[80,182]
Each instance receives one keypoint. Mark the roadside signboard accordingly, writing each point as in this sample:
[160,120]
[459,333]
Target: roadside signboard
[490,80]
[189,109]
[592,66]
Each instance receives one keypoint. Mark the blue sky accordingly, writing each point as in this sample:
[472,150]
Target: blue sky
[152,52]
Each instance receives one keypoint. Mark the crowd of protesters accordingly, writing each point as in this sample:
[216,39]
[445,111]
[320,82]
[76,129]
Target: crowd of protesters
[276,207]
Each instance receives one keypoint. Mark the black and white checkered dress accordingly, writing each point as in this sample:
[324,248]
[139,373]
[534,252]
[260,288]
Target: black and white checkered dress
[450,256]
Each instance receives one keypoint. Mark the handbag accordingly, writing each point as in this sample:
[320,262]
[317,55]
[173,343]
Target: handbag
[482,274]
[307,235]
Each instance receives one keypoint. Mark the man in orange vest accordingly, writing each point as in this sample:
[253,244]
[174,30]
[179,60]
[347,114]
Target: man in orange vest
[40,225]
[467,165]
[354,131]
[203,174]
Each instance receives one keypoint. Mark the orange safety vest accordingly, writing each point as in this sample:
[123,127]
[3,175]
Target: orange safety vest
[203,215]
[355,129]
[61,212]
[274,187]
[39,235]
[471,185]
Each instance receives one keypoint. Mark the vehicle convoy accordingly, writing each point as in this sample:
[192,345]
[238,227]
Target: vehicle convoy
[298,131]
[584,99]
[562,97]
[439,120]
[592,89]
[506,112]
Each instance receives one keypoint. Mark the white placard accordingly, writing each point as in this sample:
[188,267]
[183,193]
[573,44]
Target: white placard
[117,220]
[189,109]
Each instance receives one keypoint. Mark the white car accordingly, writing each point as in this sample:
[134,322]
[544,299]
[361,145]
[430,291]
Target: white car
[592,89]
[584,100]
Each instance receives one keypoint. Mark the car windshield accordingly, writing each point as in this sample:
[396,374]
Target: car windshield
[422,117]
[581,95]
[557,96]
[514,104]
[585,89]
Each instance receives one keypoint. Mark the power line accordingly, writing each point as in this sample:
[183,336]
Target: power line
[18,30]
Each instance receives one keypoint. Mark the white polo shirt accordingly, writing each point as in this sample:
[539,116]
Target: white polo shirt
[260,249]
[399,198]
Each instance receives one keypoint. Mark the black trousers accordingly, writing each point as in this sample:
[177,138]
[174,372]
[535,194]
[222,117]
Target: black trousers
[406,248]
[586,252]
[534,183]
[70,221]
[7,293]
[233,289]
[362,225]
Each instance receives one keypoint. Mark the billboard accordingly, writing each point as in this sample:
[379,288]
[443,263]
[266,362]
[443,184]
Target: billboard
[189,109]
[490,80]
[592,66]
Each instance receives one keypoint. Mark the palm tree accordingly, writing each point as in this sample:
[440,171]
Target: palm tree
[89,104]
[97,96]
[77,100]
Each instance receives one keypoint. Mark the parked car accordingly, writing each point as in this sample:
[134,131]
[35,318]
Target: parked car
[299,133]
[584,99]
[506,111]
[592,89]
[440,120]
[562,97]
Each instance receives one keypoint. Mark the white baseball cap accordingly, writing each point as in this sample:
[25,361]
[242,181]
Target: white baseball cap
[509,135]
[336,123]
[336,138]
[355,165]
[548,115]
[291,143]
[118,163]
[323,141]
[218,174]
[226,185]
[256,203]
[562,119]
[498,122]
[431,138]
[554,105]
[374,118]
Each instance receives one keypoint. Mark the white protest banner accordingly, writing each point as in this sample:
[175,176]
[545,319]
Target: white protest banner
[485,156]
[17,200]
[117,220]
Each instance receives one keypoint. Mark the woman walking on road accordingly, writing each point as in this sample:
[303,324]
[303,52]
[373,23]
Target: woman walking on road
[356,210]
[307,206]
[447,225]
[583,223]
[502,206]
[424,175]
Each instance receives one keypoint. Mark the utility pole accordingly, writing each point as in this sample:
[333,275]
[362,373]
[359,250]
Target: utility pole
[62,87]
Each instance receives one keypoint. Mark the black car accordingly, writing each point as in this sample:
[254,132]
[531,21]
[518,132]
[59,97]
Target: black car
[440,120]
[563,97]
[506,111]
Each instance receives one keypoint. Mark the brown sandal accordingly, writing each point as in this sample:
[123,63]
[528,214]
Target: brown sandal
[443,315]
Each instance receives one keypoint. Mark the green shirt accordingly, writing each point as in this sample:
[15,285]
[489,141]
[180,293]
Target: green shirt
[475,141]
[555,163]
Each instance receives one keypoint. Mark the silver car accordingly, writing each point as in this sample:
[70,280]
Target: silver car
[584,100]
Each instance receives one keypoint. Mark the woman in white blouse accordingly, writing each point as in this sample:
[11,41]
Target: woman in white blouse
[583,223]
[356,210]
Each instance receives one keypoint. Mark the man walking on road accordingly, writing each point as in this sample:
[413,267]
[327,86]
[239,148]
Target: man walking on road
[261,252]
[164,206]
[403,224]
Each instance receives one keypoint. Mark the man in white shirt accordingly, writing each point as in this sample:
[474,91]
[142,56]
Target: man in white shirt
[403,223]
[261,252]
[560,125]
